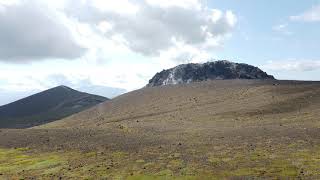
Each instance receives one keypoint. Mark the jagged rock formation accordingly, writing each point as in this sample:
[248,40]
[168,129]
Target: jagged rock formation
[187,73]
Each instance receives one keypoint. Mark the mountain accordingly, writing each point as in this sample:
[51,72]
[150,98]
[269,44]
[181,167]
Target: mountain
[223,129]
[187,73]
[208,100]
[46,106]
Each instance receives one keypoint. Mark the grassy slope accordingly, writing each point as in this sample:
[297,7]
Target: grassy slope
[219,129]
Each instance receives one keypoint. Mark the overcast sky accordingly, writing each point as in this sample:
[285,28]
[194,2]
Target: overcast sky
[109,47]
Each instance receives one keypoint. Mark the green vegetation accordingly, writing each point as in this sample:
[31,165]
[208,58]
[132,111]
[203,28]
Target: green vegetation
[279,163]
[19,162]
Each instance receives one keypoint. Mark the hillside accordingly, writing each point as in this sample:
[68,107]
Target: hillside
[222,129]
[217,70]
[46,106]
[202,101]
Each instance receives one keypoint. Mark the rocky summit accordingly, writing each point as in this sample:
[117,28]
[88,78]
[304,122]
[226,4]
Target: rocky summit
[187,73]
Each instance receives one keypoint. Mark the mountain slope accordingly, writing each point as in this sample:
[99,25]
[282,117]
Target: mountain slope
[187,73]
[46,106]
[223,129]
[196,102]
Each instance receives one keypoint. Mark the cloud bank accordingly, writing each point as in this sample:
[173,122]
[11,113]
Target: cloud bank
[30,31]
[150,27]
[302,66]
[311,15]
[35,30]
[113,43]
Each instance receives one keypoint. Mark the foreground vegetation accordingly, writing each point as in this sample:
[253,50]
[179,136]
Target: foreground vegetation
[222,162]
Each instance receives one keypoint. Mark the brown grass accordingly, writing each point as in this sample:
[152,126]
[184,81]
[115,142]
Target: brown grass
[222,129]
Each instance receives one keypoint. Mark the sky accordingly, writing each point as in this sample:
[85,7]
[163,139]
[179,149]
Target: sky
[109,47]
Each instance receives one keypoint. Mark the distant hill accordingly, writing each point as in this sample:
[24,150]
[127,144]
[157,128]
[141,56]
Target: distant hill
[46,106]
[187,73]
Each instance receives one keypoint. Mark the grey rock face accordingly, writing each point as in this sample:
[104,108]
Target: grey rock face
[187,73]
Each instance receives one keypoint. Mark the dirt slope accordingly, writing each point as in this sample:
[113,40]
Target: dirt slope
[234,129]
[206,102]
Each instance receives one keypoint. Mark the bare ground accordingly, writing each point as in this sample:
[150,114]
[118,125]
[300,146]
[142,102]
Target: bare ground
[234,129]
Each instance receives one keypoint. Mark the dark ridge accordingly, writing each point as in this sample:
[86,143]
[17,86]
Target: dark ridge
[47,106]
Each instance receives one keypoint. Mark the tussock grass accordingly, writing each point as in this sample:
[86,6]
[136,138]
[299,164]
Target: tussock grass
[279,163]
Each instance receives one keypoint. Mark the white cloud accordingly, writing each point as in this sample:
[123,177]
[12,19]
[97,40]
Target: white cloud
[8,3]
[156,25]
[119,6]
[182,53]
[104,27]
[31,31]
[187,4]
[126,41]
[304,65]
[311,15]
[147,27]
[282,28]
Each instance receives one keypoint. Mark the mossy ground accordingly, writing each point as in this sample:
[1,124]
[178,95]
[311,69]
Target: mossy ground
[280,162]
[21,163]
